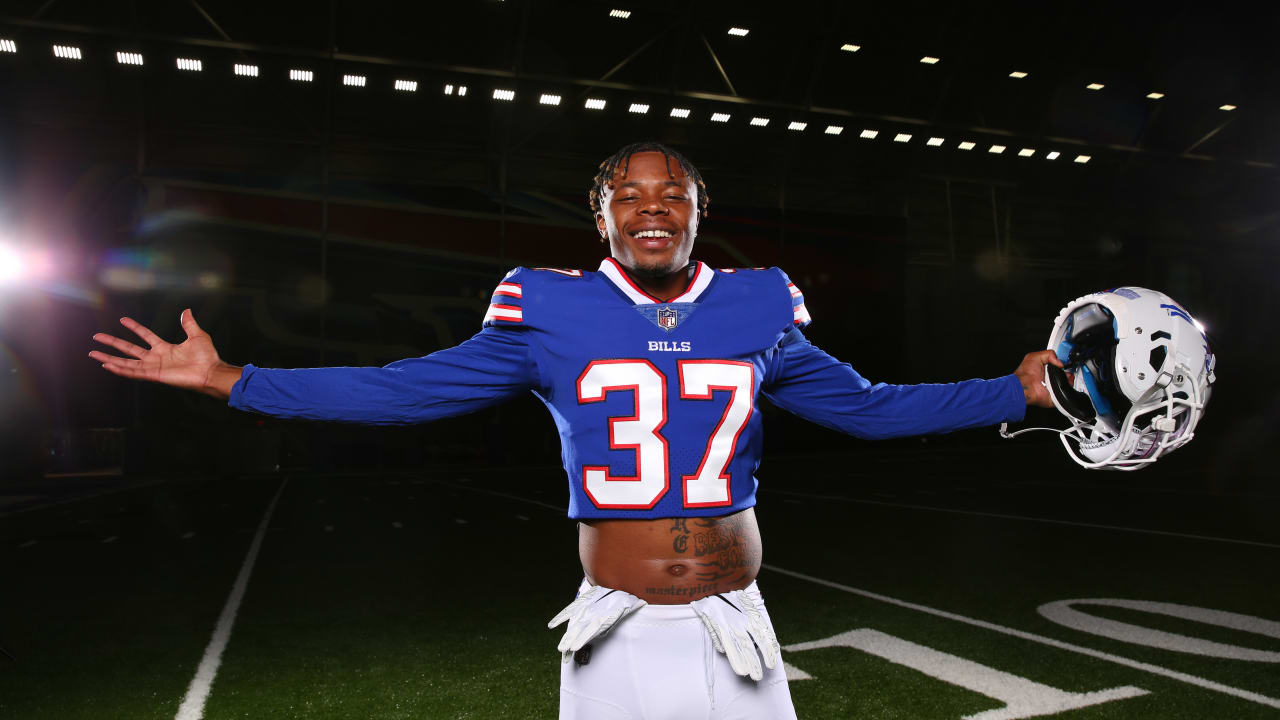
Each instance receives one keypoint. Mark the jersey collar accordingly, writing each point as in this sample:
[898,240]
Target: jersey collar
[702,276]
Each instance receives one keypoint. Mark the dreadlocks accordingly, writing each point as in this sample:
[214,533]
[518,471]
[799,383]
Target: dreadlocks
[622,159]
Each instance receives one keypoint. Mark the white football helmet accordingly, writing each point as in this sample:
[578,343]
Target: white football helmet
[1138,375]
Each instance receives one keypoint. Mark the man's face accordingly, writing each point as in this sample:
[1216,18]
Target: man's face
[649,215]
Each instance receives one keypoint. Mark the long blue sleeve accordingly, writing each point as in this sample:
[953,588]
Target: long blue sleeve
[810,383]
[493,366]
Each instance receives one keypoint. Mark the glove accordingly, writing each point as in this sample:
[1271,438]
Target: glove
[737,628]
[591,615]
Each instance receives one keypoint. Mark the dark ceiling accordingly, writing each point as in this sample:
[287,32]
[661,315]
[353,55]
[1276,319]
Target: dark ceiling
[789,68]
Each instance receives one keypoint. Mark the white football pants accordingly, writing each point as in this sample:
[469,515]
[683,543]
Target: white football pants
[658,663]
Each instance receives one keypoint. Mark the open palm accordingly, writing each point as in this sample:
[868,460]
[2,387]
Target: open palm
[186,365]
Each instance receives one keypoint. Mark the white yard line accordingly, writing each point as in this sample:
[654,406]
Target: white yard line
[192,707]
[1005,516]
[1098,654]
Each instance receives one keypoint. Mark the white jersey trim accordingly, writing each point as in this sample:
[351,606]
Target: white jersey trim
[613,271]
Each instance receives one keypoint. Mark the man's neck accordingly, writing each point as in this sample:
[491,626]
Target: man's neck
[666,286]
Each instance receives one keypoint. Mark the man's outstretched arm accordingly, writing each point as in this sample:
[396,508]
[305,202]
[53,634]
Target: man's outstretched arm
[810,383]
[491,367]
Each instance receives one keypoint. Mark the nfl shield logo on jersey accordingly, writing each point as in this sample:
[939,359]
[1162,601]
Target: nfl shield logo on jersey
[667,318]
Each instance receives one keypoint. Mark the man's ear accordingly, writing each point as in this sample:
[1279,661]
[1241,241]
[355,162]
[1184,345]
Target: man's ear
[602,227]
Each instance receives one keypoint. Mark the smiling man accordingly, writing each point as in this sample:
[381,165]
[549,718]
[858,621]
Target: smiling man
[652,368]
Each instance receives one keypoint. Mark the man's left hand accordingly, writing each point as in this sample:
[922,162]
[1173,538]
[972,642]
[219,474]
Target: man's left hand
[1031,374]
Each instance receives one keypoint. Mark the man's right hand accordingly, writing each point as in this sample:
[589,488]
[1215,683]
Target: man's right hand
[193,364]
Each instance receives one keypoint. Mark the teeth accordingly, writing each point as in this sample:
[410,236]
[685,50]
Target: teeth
[653,234]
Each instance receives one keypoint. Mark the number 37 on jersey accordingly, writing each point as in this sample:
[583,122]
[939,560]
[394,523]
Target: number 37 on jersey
[712,381]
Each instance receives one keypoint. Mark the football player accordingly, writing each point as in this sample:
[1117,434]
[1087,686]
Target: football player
[652,367]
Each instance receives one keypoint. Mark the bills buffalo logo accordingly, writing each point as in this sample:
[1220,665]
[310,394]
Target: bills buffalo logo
[667,318]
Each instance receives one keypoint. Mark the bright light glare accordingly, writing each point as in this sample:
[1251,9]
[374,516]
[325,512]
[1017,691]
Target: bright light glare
[190,64]
[797,126]
[638,108]
[354,80]
[462,91]
[1155,95]
[966,145]
[1017,74]
[594,104]
[834,129]
[507,95]
[869,134]
[1228,108]
[407,85]
[849,47]
[1082,159]
[8,46]
[246,70]
[738,32]
[719,117]
[10,265]
[549,99]
[1200,326]
[996,149]
[679,112]
[1095,86]
[1053,155]
[126,58]
[302,75]
[929,60]
[759,121]
[934,142]
[1026,152]
[902,137]
[66,52]
[622,14]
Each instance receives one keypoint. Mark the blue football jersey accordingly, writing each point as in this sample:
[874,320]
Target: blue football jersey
[656,402]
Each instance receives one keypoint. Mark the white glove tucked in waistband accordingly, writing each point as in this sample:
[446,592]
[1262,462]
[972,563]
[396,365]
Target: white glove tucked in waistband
[738,627]
[591,615]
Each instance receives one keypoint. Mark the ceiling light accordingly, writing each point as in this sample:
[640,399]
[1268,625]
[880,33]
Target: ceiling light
[927,60]
[850,48]
[594,104]
[462,91]
[1017,74]
[246,70]
[549,99]
[902,137]
[719,117]
[407,85]
[8,46]
[1228,108]
[759,121]
[966,145]
[638,108]
[354,80]
[1052,156]
[66,52]
[124,58]
[302,75]
[1026,152]
[797,126]
[1082,159]
[1155,95]
[738,32]
[680,112]
[622,14]
[1095,86]
[506,95]
[996,149]
[934,142]
[834,129]
[190,65]
[869,134]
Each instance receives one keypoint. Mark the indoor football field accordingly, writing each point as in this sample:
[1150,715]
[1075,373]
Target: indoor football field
[915,584]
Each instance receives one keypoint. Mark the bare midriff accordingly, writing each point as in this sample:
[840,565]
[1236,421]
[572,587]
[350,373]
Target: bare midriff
[671,561]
